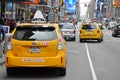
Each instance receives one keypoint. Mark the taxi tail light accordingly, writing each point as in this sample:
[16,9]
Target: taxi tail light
[98,31]
[9,46]
[61,60]
[80,31]
[6,59]
[116,29]
[74,31]
[60,46]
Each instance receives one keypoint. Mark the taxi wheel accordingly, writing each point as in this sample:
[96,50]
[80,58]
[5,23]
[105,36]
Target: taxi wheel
[62,71]
[81,40]
[113,34]
[10,71]
[99,40]
[102,39]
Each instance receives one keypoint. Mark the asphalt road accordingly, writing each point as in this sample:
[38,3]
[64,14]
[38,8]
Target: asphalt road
[85,61]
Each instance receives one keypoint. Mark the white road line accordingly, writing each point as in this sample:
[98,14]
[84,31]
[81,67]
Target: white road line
[115,39]
[90,63]
[108,33]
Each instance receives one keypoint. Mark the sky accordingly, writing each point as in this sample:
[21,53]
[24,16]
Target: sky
[83,8]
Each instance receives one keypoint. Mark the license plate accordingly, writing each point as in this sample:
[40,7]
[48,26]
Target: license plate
[88,30]
[34,50]
[65,32]
[32,60]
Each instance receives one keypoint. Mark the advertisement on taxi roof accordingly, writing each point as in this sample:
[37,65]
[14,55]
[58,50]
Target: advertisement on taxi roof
[116,3]
[70,6]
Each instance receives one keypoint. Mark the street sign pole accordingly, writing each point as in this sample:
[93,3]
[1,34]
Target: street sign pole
[2,11]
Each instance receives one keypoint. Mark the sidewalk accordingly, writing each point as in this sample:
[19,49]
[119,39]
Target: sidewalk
[2,56]
[2,59]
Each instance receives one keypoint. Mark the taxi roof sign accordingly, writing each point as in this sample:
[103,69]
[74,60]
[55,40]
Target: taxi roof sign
[38,17]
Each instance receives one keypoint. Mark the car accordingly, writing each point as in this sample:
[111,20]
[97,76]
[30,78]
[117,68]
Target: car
[34,45]
[116,30]
[112,24]
[100,25]
[90,31]
[61,25]
[68,31]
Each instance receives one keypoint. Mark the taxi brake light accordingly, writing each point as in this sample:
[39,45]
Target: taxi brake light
[9,46]
[80,31]
[60,46]
[98,31]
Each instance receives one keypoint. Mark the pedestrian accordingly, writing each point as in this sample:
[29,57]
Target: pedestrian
[2,33]
[12,25]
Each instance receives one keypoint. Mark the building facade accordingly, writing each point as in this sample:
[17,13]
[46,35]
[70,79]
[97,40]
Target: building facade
[91,10]
[8,9]
[113,8]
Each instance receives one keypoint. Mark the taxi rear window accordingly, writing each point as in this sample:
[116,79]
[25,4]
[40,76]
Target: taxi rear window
[35,33]
[89,27]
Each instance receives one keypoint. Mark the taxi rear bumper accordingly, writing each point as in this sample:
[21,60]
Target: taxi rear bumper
[56,61]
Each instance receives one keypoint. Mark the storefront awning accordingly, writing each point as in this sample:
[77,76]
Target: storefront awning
[20,0]
[22,8]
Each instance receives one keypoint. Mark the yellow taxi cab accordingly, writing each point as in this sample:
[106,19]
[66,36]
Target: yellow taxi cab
[36,45]
[90,31]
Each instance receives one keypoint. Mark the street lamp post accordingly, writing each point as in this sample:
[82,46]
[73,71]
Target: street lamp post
[2,11]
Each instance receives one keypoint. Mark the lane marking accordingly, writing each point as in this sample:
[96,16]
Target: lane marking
[108,33]
[112,38]
[90,63]
[115,39]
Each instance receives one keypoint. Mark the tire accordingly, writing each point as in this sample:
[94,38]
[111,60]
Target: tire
[81,40]
[102,40]
[62,71]
[113,35]
[99,40]
[74,39]
[10,71]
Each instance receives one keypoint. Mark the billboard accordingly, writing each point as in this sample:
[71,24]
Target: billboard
[70,6]
[9,6]
[116,3]
[32,2]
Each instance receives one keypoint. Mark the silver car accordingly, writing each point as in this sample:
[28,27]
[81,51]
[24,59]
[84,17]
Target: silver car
[68,31]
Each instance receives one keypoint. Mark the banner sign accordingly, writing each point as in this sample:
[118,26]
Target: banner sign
[70,6]
[32,2]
